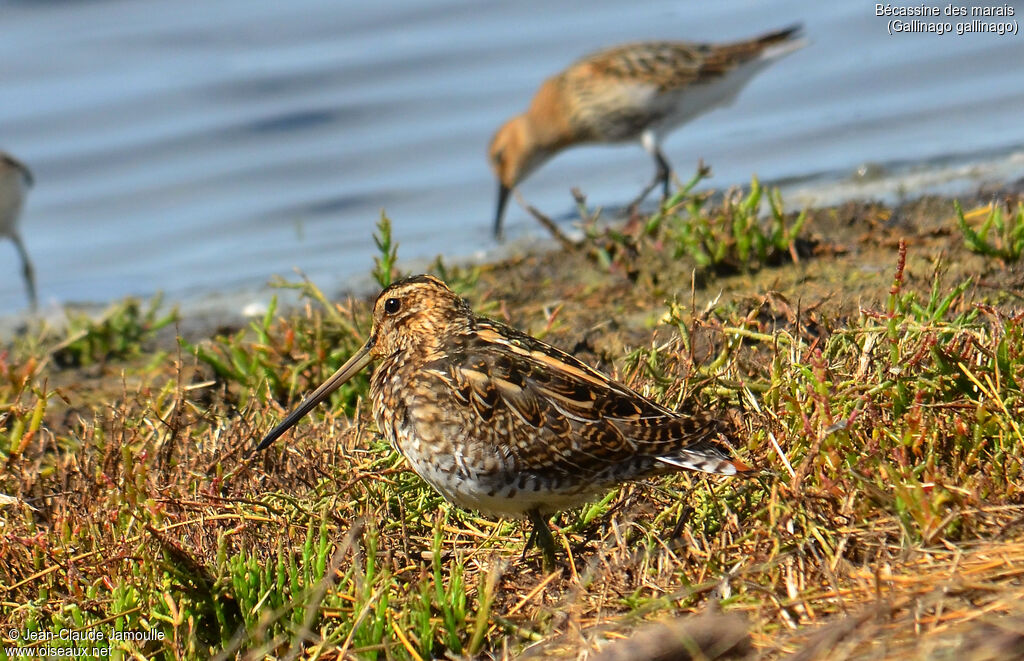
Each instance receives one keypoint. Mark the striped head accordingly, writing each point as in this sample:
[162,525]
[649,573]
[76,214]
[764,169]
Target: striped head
[415,314]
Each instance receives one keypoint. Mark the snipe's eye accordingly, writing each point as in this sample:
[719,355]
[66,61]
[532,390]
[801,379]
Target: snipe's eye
[391,305]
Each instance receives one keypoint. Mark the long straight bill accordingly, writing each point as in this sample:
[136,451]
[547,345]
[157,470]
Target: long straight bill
[499,214]
[357,362]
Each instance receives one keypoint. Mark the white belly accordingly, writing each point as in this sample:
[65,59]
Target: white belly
[490,486]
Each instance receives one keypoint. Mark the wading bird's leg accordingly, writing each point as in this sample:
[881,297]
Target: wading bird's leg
[662,173]
[541,534]
[26,270]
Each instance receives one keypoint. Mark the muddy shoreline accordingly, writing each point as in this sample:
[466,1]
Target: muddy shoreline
[870,369]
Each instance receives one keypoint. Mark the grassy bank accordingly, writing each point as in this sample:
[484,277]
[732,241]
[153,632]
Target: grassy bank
[871,357]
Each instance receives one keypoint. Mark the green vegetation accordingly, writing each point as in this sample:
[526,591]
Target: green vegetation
[384,264]
[123,331]
[1007,240]
[732,237]
[721,239]
[284,358]
[888,433]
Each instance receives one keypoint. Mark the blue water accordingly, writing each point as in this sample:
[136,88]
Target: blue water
[203,147]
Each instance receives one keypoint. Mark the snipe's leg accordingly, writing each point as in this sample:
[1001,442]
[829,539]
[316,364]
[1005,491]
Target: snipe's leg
[541,534]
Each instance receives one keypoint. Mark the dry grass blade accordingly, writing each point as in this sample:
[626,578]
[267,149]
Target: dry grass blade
[886,522]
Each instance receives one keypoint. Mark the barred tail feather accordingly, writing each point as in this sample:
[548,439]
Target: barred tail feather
[709,460]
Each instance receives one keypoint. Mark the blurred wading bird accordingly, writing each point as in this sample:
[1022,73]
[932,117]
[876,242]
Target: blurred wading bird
[502,423]
[15,180]
[637,91]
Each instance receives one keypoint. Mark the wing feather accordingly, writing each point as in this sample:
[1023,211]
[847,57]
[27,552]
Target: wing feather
[560,417]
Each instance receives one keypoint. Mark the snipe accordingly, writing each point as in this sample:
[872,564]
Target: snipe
[502,423]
